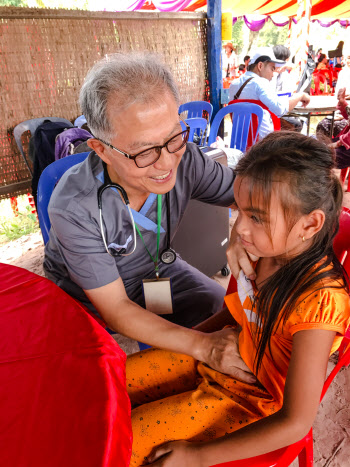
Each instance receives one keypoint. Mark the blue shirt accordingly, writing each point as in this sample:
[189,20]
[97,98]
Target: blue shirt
[261,89]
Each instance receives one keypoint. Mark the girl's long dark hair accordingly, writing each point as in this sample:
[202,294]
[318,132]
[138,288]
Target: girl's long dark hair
[301,169]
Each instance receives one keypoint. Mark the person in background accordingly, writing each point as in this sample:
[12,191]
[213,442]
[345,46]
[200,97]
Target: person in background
[285,82]
[318,53]
[344,75]
[341,143]
[255,84]
[229,62]
[322,62]
[246,62]
[343,82]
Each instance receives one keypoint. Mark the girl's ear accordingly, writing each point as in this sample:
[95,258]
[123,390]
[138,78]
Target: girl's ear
[312,223]
[100,149]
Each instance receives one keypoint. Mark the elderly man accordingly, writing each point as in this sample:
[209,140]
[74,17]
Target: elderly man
[140,156]
[255,84]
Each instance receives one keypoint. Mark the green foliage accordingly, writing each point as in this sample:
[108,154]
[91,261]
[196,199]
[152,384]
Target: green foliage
[15,227]
[271,35]
[237,35]
[22,3]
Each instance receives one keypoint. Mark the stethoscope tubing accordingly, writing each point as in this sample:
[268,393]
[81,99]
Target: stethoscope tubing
[109,184]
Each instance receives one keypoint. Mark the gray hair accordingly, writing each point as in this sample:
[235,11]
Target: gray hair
[129,78]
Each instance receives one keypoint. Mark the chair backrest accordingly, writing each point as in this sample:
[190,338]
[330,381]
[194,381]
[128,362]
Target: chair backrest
[318,79]
[32,125]
[80,121]
[196,109]
[275,120]
[198,126]
[47,182]
[243,123]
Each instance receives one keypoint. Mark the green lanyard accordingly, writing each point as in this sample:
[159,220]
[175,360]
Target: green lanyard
[159,218]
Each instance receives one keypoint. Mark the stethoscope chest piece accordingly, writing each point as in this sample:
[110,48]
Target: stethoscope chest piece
[168,256]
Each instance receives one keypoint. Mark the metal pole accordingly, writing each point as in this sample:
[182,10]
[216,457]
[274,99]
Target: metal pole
[214,52]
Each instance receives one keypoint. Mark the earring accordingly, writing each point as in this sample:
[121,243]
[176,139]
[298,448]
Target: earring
[303,238]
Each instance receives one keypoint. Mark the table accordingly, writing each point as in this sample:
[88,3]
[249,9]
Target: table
[320,106]
[62,380]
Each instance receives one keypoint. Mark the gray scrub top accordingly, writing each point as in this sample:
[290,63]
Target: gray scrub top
[75,256]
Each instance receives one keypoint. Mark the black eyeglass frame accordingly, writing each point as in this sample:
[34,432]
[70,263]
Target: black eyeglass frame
[157,148]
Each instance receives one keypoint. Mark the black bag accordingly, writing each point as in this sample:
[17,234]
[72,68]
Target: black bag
[42,148]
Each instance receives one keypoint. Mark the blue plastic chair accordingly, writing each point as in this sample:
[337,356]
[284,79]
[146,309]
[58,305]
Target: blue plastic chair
[242,124]
[47,182]
[80,121]
[196,108]
[198,126]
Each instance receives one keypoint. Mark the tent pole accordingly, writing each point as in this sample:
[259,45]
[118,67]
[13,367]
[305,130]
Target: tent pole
[214,52]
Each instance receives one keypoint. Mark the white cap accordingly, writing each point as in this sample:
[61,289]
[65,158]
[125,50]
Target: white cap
[265,54]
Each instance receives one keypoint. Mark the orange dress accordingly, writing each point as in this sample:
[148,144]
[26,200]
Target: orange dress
[178,397]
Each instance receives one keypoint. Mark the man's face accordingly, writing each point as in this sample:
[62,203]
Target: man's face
[267,70]
[139,127]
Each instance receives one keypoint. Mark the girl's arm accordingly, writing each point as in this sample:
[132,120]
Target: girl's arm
[305,379]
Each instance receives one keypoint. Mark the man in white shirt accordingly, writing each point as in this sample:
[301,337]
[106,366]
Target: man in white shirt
[343,80]
[260,72]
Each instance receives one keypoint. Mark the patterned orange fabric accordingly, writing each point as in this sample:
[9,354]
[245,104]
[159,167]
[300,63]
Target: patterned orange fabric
[177,397]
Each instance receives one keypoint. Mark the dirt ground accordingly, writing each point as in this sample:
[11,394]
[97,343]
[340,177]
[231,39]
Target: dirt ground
[332,425]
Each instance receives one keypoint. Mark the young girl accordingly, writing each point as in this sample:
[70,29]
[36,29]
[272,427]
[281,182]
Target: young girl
[289,320]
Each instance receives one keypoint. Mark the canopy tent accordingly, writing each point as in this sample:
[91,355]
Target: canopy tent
[321,9]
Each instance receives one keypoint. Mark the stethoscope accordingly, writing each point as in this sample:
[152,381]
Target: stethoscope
[167,256]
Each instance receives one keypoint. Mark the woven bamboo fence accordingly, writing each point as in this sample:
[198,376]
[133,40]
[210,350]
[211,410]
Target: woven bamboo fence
[45,55]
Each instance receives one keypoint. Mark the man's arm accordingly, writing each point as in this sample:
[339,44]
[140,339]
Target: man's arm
[218,349]
[298,97]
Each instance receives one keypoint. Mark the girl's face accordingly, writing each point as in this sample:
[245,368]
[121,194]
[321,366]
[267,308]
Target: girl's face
[262,233]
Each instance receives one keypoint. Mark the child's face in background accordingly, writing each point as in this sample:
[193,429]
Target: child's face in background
[262,233]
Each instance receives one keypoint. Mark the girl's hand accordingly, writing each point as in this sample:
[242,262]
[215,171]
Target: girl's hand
[238,257]
[176,454]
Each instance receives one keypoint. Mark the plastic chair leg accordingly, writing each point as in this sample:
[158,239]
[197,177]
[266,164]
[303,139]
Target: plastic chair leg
[32,204]
[14,205]
[306,456]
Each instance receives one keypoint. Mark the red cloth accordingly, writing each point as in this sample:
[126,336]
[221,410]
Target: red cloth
[62,380]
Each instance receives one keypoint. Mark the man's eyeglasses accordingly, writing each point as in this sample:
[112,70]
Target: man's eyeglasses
[151,155]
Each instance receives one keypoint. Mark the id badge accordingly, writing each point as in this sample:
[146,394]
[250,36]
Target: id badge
[158,296]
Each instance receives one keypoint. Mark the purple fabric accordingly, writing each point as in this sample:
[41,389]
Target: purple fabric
[234,20]
[255,25]
[283,24]
[171,5]
[68,140]
[129,5]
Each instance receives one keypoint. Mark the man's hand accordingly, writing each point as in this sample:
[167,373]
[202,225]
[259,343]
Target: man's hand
[219,350]
[237,258]
[176,454]
[305,99]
